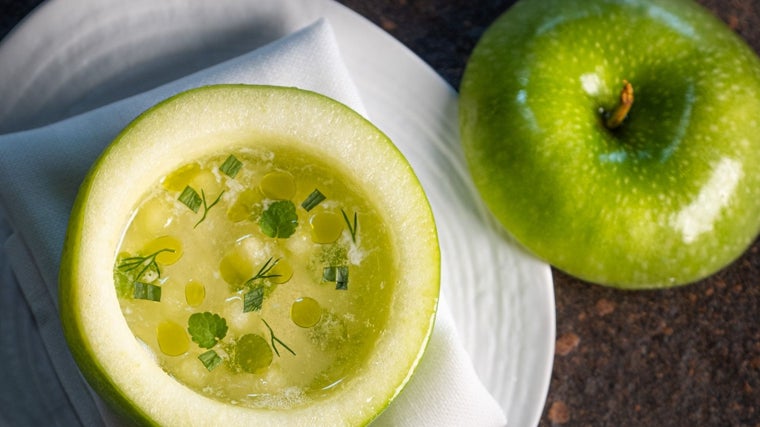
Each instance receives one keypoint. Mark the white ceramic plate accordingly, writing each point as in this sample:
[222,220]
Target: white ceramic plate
[70,56]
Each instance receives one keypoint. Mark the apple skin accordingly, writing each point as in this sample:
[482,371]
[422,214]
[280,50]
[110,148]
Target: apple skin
[669,197]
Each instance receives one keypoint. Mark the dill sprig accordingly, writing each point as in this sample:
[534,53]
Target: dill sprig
[207,207]
[263,272]
[353,229]
[274,339]
[147,263]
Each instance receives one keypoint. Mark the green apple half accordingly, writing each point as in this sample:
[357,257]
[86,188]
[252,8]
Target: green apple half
[668,196]
[204,121]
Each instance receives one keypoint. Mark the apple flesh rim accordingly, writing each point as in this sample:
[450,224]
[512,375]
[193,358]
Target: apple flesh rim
[208,121]
[666,198]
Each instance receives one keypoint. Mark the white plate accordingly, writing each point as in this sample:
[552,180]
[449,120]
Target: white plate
[74,55]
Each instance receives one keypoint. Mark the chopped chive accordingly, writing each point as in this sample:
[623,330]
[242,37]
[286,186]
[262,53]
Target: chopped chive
[191,199]
[348,223]
[328,274]
[341,278]
[210,360]
[231,166]
[147,291]
[315,198]
[337,274]
[253,300]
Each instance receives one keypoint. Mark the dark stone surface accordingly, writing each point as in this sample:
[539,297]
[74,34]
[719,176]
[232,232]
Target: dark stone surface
[682,357]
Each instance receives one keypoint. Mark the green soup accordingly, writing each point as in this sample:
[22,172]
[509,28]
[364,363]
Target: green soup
[259,277]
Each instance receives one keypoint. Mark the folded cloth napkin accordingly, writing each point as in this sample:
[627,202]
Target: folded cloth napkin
[40,171]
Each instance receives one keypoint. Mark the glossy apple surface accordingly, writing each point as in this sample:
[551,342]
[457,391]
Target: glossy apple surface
[668,197]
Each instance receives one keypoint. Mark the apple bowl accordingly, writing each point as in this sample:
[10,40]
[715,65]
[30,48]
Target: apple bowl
[249,254]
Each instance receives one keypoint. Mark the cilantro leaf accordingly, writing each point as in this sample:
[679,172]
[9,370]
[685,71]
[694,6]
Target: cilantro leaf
[206,328]
[279,219]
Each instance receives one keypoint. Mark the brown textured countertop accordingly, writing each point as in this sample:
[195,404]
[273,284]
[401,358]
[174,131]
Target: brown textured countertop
[683,357]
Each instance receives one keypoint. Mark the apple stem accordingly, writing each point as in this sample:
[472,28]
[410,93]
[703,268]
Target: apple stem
[621,111]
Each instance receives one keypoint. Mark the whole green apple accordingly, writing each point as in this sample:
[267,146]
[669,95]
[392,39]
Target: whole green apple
[659,192]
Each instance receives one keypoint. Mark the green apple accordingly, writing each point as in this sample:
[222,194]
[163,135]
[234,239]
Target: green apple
[179,347]
[666,195]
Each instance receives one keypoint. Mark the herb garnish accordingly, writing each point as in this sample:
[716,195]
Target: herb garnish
[341,278]
[206,329]
[210,360]
[337,274]
[147,262]
[329,273]
[146,291]
[273,338]
[348,223]
[315,198]
[279,219]
[193,201]
[231,166]
[253,300]
[263,272]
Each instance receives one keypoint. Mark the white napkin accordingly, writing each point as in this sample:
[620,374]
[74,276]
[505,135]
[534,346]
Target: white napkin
[40,171]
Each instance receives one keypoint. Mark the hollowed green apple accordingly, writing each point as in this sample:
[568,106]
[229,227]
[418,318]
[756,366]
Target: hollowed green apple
[146,349]
[667,195]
